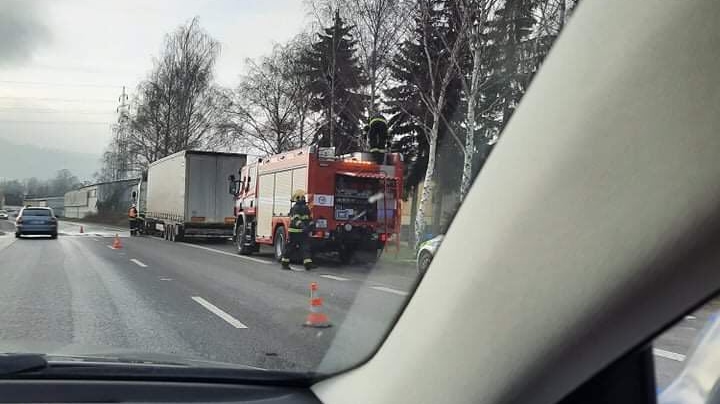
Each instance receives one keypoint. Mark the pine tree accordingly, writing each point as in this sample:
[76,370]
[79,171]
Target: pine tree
[335,82]
[517,63]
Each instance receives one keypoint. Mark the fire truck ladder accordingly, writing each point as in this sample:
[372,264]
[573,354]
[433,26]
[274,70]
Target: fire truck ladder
[391,187]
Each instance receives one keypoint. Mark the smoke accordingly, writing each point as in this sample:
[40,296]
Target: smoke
[22,31]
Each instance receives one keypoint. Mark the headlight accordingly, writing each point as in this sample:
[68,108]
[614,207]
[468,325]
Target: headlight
[348,227]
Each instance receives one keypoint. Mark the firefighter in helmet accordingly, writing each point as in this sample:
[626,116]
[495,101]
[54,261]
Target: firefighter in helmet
[132,216]
[299,231]
[377,133]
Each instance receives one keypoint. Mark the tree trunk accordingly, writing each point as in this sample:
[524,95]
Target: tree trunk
[470,135]
[437,210]
[412,239]
[428,184]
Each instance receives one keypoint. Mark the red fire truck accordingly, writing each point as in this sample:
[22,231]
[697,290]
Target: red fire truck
[355,201]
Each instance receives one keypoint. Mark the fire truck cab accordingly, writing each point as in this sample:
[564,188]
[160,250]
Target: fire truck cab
[354,200]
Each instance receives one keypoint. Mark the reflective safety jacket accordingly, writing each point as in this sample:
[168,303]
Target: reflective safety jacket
[300,217]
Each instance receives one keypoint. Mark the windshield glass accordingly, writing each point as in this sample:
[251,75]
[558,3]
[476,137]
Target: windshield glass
[255,183]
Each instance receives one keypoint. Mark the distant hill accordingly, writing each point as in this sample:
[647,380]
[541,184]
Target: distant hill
[23,161]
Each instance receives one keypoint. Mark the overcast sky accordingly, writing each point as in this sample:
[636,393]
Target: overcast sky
[63,63]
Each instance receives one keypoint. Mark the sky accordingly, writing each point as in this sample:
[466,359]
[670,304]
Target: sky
[63,63]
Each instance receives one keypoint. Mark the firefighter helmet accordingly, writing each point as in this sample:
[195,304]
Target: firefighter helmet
[298,195]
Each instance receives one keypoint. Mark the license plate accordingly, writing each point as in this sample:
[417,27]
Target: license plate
[37,222]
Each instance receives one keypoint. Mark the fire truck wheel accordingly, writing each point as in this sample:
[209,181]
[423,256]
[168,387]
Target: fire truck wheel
[279,243]
[240,239]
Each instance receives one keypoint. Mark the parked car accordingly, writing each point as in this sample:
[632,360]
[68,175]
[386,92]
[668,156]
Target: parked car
[36,221]
[4,214]
[426,253]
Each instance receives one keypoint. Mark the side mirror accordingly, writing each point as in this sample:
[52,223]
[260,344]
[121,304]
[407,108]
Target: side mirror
[232,189]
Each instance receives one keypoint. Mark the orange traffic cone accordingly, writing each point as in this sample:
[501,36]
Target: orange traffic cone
[82,230]
[116,243]
[316,318]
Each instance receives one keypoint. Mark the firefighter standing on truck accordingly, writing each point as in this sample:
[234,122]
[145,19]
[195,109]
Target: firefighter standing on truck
[377,133]
[298,231]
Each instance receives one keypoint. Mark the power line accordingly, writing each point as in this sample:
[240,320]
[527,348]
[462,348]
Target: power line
[53,111]
[47,83]
[93,100]
[57,122]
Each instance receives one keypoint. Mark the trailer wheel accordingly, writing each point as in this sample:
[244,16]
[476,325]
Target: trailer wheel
[178,236]
[279,242]
[240,234]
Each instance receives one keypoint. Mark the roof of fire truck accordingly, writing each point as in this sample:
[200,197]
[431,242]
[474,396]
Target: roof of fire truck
[324,155]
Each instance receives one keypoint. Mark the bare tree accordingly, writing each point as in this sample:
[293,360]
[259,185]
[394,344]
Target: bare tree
[270,110]
[379,27]
[176,107]
[440,74]
[476,15]
[552,15]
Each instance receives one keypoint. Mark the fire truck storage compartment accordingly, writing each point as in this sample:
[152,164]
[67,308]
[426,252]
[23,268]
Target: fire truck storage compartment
[275,191]
[356,199]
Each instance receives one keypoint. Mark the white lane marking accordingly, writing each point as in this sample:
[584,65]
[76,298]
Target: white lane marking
[213,309]
[668,355]
[165,279]
[138,263]
[227,253]
[337,278]
[690,318]
[389,290]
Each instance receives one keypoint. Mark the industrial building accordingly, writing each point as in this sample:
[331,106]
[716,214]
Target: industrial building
[101,198]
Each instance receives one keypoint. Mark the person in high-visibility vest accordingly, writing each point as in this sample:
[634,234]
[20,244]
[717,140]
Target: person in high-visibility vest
[299,231]
[132,216]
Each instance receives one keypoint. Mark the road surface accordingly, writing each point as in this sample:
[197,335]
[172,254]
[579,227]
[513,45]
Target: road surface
[77,294]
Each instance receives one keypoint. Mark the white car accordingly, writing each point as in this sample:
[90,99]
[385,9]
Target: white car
[3,214]
[427,252]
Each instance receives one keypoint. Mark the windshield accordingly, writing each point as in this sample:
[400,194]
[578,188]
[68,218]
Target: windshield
[256,183]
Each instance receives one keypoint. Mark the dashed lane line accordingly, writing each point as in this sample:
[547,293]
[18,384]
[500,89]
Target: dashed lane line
[668,355]
[166,279]
[138,263]
[337,278]
[218,312]
[259,261]
[389,290]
